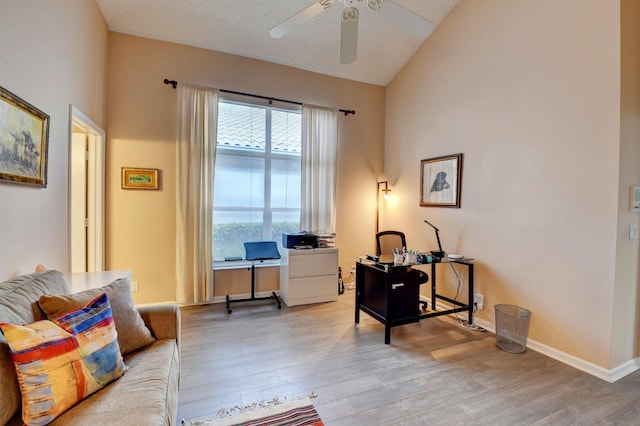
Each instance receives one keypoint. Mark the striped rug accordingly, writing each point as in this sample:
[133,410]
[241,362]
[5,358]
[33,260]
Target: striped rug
[294,413]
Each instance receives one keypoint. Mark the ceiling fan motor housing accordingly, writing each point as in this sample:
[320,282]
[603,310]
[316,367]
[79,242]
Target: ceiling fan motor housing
[350,14]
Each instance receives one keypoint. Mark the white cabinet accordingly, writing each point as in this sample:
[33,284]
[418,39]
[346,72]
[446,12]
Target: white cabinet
[309,276]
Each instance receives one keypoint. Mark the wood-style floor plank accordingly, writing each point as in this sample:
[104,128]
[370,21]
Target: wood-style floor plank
[434,372]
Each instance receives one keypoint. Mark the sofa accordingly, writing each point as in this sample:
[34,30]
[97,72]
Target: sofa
[147,391]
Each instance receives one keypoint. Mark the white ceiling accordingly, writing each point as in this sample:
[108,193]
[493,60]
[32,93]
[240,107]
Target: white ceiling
[241,27]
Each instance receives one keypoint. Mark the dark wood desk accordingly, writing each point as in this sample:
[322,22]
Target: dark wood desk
[388,293]
[391,294]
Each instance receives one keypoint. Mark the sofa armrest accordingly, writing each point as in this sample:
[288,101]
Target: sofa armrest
[163,320]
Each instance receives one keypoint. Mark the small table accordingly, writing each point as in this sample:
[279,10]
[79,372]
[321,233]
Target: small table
[258,251]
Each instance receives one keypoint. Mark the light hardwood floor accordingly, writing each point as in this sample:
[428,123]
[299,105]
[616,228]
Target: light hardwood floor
[435,372]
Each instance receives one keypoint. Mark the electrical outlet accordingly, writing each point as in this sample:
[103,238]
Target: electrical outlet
[478,299]
[135,286]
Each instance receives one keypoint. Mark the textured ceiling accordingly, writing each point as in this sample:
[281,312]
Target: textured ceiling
[241,27]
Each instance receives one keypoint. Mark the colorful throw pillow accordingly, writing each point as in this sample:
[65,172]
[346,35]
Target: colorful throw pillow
[61,361]
[133,334]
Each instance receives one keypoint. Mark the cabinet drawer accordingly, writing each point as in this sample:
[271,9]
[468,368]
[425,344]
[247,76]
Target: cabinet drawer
[302,288]
[314,265]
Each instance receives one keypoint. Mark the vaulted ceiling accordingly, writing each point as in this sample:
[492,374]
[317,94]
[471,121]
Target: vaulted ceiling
[241,27]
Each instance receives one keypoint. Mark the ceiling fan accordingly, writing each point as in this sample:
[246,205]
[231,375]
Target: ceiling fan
[399,15]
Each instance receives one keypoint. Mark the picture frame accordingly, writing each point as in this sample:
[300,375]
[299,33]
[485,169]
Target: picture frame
[441,181]
[140,178]
[24,141]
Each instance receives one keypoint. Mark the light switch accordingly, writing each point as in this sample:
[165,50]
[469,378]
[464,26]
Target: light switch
[633,232]
[634,199]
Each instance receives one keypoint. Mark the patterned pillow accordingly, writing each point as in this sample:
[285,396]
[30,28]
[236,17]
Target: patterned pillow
[133,334]
[61,361]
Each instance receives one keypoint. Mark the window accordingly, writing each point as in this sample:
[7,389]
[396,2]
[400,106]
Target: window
[257,176]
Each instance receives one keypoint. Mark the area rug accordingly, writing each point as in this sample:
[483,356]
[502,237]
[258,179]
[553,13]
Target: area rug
[276,412]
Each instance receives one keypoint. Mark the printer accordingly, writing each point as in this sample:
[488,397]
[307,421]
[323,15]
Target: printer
[300,240]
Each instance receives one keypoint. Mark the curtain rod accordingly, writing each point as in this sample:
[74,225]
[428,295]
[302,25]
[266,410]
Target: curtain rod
[175,84]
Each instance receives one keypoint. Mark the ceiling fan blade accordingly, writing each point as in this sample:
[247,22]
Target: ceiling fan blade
[349,36]
[300,18]
[406,19]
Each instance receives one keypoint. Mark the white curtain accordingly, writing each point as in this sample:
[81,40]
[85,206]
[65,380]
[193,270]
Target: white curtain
[319,156]
[195,161]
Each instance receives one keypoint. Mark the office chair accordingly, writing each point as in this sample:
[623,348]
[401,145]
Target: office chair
[388,240]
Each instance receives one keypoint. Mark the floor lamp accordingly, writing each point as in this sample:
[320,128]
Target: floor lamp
[386,191]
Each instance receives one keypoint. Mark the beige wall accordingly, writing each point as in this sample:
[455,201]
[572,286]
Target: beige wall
[529,91]
[142,128]
[626,302]
[52,54]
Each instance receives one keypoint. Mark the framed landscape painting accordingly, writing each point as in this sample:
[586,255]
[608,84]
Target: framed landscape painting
[24,141]
[137,178]
[441,181]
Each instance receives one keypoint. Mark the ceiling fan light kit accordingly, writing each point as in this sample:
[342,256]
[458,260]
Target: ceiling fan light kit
[398,15]
[374,4]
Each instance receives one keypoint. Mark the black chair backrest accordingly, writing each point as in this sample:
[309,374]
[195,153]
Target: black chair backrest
[388,240]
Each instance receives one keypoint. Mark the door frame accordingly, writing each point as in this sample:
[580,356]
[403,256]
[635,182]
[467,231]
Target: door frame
[95,192]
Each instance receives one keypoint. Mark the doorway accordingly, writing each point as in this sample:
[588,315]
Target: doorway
[86,193]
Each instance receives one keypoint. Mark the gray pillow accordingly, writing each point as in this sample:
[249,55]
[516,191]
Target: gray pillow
[133,334]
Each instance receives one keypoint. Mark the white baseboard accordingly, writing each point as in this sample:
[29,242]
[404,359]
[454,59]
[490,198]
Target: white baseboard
[590,368]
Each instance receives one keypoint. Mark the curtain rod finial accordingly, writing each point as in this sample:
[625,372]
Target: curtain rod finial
[171,82]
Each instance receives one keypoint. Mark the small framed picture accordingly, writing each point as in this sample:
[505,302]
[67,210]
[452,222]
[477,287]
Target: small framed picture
[441,181]
[24,141]
[138,178]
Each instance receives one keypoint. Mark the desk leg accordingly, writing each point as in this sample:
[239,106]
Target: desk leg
[253,281]
[471,294]
[387,334]
[358,287]
[433,286]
